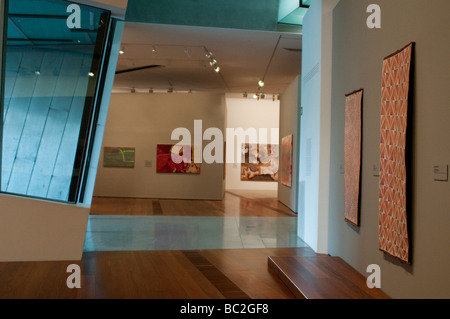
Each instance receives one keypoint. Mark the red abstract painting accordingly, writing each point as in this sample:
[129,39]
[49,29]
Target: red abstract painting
[352,156]
[183,163]
[393,221]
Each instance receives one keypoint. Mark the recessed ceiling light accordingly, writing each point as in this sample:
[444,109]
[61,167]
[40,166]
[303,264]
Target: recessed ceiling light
[261,83]
[91,74]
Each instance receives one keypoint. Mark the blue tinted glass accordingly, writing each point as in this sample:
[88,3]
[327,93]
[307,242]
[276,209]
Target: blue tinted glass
[51,70]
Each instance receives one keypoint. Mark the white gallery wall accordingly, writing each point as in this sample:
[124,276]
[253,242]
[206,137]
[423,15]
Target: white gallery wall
[315,133]
[290,111]
[144,120]
[249,113]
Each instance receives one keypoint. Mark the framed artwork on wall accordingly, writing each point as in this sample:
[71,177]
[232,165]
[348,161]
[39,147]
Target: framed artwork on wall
[286,161]
[184,163]
[122,157]
[260,162]
[352,155]
[394,183]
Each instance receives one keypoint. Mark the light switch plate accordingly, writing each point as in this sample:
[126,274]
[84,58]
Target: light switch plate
[440,173]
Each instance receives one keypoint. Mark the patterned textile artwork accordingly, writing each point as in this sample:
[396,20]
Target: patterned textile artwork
[260,162]
[393,223]
[352,155]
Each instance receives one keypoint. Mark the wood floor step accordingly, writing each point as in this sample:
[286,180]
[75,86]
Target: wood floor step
[322,277]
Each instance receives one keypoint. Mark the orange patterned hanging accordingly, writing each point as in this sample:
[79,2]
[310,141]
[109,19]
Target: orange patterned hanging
[393,223]
[352,156]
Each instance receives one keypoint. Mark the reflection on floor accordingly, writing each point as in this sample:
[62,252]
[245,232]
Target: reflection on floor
[229,227]
[131,233]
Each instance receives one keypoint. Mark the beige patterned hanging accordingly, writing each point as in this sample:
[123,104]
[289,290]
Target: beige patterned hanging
[352,155]
[393,223]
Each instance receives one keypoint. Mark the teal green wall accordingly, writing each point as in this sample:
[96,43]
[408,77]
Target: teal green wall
[236,14]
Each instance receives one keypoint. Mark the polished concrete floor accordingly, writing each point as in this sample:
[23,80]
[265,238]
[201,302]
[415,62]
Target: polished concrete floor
[131,233]
[230,227]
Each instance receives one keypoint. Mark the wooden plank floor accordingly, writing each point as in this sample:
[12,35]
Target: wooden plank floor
[234,203]
[215,274]
[322,277]
[197,274]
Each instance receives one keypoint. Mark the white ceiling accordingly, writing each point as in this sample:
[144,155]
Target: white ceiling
[244,58]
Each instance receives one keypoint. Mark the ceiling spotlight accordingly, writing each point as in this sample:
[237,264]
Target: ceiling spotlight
[263,96]
[217,69]
[261,83]
[121,51]
[170,90]
[133,90]
[255,96]
[208,54]
[91,74]
[150,91]
[245,94]
[37,72]
[213,62]
[273,97]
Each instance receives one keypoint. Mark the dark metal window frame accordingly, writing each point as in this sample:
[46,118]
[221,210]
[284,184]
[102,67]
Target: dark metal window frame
[2,76]
[92,104]
[303,5]
[108,41]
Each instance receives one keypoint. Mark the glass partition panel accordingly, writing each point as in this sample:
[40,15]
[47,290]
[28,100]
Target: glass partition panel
[53,62]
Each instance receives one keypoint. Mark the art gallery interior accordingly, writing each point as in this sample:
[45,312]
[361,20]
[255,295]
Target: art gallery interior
[91,99]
